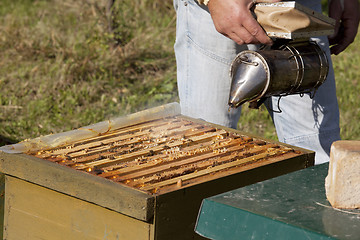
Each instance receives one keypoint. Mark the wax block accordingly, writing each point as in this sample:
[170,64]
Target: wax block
[343,181]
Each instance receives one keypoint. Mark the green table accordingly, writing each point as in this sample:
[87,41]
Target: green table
[291,206]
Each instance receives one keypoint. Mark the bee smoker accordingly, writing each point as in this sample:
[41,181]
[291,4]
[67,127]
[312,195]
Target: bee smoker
[293,65]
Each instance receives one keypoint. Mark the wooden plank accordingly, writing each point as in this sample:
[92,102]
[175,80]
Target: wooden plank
[270,152]
[85,186]
[34,212]
[116,149]
[167,158]
[97,141]
[185,172]
[193,159]
[126,140]
[235,170]
[2,204]
[151,150]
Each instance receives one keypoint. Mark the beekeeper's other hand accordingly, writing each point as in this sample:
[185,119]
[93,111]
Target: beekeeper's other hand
[347,16]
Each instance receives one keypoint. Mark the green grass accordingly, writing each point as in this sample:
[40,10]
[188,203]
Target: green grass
[61,67]
[347,74]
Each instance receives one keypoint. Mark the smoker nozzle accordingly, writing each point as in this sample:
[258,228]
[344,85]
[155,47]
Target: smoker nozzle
[249,78]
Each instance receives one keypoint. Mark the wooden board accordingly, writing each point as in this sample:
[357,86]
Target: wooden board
[34,212]
[90,188]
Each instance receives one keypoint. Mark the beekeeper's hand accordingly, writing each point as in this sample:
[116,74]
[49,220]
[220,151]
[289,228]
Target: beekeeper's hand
[233,19]
[347,16]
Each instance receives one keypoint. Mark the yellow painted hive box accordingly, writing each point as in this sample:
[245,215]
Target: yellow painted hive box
[141,176]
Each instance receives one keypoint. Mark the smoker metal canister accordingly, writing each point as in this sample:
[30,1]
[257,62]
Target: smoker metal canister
[294,68]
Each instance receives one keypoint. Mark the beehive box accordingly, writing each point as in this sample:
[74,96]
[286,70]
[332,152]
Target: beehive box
[142,176]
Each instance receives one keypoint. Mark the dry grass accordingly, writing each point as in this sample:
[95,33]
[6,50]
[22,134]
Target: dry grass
[61,67]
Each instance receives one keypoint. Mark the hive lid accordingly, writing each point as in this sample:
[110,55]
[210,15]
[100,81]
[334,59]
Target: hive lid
[291,20]
[291,205]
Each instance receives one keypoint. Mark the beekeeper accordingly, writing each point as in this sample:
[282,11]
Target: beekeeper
[210,33]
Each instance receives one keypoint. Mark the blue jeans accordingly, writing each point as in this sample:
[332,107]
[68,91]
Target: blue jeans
[203,61]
